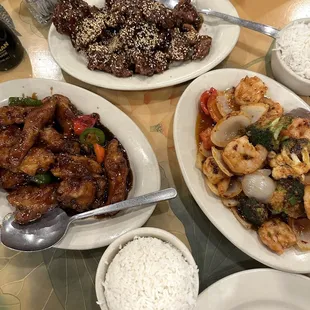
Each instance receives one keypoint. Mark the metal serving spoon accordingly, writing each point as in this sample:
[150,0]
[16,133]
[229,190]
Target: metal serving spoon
[265,29]
[53,225]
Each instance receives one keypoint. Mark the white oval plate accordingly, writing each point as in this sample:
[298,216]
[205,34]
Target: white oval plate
[185,144]
[93,233]
[257,289]
[225,37]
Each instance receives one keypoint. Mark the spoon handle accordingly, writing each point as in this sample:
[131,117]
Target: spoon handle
[140,201]
[268,30]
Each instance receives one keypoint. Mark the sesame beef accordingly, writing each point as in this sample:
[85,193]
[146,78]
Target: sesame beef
[129,37]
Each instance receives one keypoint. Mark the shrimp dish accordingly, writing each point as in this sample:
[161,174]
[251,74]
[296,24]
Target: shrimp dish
[255,157]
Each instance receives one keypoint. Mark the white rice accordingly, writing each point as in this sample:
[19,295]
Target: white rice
[149,274]
[294,44]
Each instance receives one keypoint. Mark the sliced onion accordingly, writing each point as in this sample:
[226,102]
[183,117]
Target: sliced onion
[234,189]
[258,186]
[301,228]
[211,186]
[229,128]
[199,161]
[266,172]
[203,151]
[255,111]
[229,203]
[222,105]
[217,155]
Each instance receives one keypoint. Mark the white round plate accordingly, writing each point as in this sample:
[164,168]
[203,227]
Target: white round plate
[185,143]
[225,37]
[257,289]
[93,233]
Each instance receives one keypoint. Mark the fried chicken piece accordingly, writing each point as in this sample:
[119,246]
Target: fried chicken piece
[179,48]
[4,158]
[202,47]
[34,123]
[37,160]
[157,13]
[9,136]
[117,170]
[186,13]
[14,115]
[56,142]
[32,202]
[77,194]
[68,14]
[65,114]
[11,180]
[68,166]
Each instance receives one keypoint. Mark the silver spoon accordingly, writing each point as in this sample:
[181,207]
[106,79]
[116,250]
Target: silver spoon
[53,225]
[265,29]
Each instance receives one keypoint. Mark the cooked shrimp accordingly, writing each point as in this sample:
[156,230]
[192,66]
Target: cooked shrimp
[250,89]
[307,200]
[223,186]
[299,129]
[277,235]
[212,171]
[275,111]
[242,157]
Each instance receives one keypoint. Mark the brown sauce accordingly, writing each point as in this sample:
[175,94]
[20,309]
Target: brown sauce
[203,122]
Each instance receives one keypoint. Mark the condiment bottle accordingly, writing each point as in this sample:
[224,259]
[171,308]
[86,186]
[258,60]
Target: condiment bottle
[11,50]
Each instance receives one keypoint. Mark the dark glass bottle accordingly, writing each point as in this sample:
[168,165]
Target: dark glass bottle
[11,50]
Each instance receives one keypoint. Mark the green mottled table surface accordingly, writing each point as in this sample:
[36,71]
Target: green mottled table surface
[59,279]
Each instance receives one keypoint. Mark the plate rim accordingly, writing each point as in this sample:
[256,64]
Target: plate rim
[251,271]
[147,86]
[156,178]
[212,219]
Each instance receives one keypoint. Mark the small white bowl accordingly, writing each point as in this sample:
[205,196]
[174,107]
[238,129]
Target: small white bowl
[114,248]
[286,75]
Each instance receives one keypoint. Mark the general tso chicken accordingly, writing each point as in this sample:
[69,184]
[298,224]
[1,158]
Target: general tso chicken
[255,158]
[53,156]
[132,36]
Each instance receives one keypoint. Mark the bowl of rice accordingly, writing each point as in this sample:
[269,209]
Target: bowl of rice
[147,268]
[290,59]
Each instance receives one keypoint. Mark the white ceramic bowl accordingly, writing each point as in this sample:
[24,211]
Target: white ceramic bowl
[286,75]
[114,248]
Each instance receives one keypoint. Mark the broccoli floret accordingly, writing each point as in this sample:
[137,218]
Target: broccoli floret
[294,190]
[268,135]
[252,211]
[288,198]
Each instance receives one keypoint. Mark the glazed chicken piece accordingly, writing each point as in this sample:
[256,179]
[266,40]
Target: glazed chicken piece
[37,160]
[34,123]
[4,158]
[11,180]
[185,13]
[77,194]
[9,136]
[68,166]
[56,142]
[14,115]
[32,202]
[117,172]
[64,114]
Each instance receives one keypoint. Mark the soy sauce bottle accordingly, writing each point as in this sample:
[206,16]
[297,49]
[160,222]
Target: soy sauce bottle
[11,50]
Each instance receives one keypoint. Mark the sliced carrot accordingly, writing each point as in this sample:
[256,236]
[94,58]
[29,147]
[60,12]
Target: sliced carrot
[100,152]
